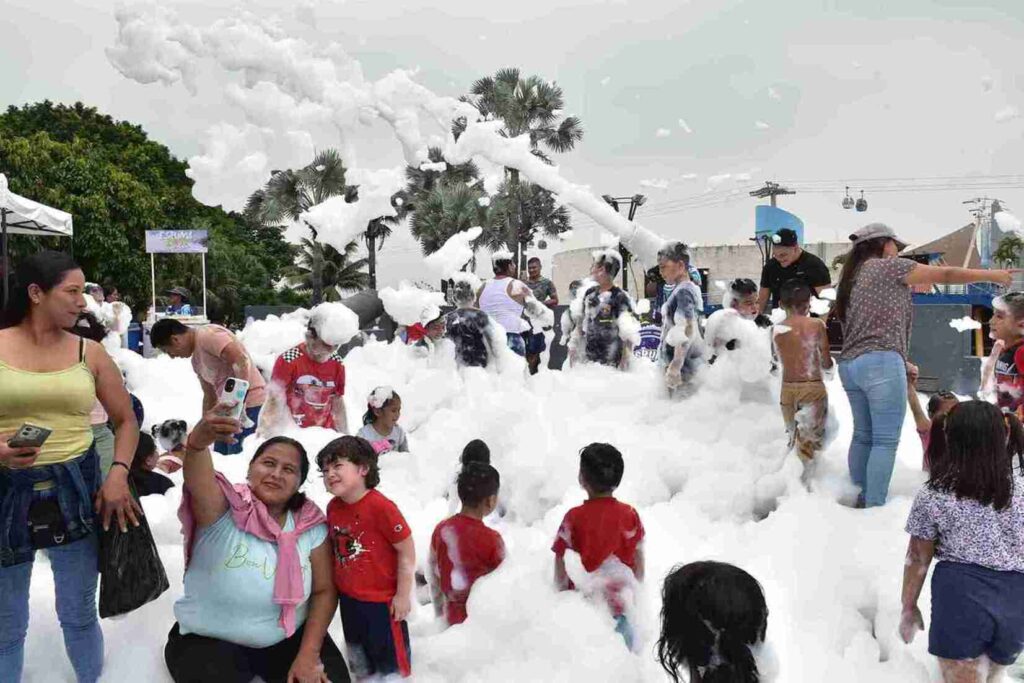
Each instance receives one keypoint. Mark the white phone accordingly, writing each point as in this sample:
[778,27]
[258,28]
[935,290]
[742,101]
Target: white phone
[234,392]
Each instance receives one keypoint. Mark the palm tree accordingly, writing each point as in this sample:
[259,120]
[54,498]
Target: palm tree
[444,211]
[288,194]
[337,270]
[533,207]
[528,106]
[1009,250]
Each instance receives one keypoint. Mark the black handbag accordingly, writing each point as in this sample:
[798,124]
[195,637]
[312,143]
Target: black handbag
[131,573]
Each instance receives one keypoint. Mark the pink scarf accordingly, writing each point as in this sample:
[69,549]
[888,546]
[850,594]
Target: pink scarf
[250,515]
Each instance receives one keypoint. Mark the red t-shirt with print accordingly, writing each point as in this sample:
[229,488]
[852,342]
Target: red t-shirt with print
[465,549]
[363,536]
[310,387]
[598,530]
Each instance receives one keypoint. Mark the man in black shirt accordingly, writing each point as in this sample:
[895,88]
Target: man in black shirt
[790,262]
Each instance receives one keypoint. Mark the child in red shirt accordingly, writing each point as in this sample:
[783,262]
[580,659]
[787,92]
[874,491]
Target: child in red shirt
[374,559]
[607,534]
[463,548]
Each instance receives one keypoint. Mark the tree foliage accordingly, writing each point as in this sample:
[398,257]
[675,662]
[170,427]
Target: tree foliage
[117,183]
[529,106]
[1009,251]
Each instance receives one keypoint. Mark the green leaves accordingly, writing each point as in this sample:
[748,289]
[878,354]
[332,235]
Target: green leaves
[117,183]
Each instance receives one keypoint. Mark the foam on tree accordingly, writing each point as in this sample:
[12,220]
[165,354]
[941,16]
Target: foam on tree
[409,304]
[455,253]
[285,76]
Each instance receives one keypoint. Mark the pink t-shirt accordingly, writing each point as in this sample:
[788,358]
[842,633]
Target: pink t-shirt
[211,341]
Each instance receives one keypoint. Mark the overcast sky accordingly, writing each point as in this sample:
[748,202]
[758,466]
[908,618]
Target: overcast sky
[801,90]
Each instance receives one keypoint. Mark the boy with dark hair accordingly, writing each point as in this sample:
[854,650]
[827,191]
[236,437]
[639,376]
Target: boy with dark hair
[217,355]
[607,534]
[463,548]
[374,559]
[803,348]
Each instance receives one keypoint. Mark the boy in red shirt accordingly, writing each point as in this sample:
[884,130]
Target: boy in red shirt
[463,548]
[374,559]
[307,387]
[607,534]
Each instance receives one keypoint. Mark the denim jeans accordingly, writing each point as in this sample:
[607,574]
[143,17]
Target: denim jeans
[75,576]
[876,385]
[516,343]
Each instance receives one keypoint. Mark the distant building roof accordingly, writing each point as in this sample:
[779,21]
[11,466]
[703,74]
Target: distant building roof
[958,248]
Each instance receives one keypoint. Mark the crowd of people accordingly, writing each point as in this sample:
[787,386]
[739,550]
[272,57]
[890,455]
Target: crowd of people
[263,553]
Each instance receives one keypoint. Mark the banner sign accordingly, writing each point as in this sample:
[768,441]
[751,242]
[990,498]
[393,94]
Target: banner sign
[770,219]
[176,241]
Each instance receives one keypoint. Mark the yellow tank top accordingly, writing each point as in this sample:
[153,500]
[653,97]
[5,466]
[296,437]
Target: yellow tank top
[61,401]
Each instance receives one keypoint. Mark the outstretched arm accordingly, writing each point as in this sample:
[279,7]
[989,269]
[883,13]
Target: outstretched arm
[208,502]
[950,275]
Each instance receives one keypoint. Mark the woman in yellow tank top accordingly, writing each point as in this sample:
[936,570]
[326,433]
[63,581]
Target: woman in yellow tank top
[51,378]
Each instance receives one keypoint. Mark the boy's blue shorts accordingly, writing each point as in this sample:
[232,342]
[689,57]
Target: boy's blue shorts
[976,611]
[377,645]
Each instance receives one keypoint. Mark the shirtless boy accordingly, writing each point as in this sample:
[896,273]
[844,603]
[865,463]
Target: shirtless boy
[802,345]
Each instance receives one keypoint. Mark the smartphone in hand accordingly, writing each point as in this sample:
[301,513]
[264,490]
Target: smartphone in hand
[234,392]
[29,436]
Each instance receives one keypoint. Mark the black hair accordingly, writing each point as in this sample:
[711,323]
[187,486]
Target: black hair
[46,270]
[501,266]
[1014,302]
[574,286]
[477,482]
[866,250]
[794,294]
[357,451]
[533,259]
[164,329]
[937,399]
[475,451]
[787,238]
[145,448]
[675,251]
[298,499]
[711,615]
[610,261]
[937,450]
[369,417]
[977,461]
[601,467]
[743,286]
[463,291]
[88,327]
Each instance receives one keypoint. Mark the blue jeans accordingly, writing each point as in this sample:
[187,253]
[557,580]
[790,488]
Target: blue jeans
[75,576]
[516,343]
[876,385]
[236,448]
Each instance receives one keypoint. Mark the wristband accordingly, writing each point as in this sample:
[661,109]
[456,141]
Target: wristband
[118,462]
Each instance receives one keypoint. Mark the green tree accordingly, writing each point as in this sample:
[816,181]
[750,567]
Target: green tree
[289,194]
[337,272]
[1009,251]
[441,203]
[117,183]
[445,211]
[527,106]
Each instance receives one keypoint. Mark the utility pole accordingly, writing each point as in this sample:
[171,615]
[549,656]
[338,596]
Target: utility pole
[772,190]
[635,202]
[983,220]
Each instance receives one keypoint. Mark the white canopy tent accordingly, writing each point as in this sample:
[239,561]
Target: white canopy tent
[21,216]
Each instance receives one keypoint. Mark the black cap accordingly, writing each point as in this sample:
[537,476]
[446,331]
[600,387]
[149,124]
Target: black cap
[787,238]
